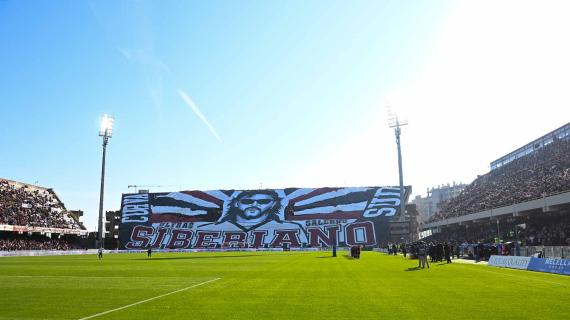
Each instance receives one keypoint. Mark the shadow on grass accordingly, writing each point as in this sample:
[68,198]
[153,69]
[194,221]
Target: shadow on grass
[201,257]
[413,269]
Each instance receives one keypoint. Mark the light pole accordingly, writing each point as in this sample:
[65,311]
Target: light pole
[106,132]
[395,123]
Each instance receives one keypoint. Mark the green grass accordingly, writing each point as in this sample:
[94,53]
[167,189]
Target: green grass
[273,285]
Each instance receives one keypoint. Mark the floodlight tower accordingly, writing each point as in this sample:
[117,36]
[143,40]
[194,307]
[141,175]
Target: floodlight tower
[395,123]
[106,132]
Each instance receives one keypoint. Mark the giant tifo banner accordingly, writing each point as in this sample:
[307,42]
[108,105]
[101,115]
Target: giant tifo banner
[293,217]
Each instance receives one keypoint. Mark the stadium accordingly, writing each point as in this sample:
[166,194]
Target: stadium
[198,244]
[305,209]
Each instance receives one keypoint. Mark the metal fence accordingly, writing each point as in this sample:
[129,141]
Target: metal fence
[561,252]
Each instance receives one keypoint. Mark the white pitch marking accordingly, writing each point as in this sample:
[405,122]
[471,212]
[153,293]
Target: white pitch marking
[147,300]
[80,277]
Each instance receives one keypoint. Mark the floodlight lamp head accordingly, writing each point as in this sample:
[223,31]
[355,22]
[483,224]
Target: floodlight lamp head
[392,117]
[393,120]
[396,123]
[106,129]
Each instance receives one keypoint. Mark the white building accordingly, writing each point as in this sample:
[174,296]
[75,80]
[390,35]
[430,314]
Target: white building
[429,205]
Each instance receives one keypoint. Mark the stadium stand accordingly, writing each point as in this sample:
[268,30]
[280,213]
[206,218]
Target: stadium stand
[30,216]
[36,243]
[535,230]
[26,205]
[539,174]
[521,207]
[547,231]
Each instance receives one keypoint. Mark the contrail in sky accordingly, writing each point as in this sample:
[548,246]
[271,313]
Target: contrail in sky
[197,111]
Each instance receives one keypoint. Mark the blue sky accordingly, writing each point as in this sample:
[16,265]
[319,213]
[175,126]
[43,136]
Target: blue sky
[294,91]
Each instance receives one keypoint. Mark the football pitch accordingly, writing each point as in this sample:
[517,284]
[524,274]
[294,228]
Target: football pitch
[271,285]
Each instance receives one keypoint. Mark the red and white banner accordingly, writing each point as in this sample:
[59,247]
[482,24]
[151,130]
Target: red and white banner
[293,217]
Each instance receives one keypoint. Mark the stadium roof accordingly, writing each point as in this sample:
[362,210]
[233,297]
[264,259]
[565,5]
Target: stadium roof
[560,133]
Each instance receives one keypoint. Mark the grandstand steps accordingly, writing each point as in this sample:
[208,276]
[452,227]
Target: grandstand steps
[546,204]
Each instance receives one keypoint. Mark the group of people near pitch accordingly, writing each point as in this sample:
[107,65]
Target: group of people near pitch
[437,251]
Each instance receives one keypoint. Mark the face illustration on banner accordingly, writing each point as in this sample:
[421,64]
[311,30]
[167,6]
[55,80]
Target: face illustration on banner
[254,207]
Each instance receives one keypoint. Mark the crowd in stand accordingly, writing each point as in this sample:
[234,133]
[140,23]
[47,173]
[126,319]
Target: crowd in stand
[27,206]
[545,230]
[33,244]
[539,174]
